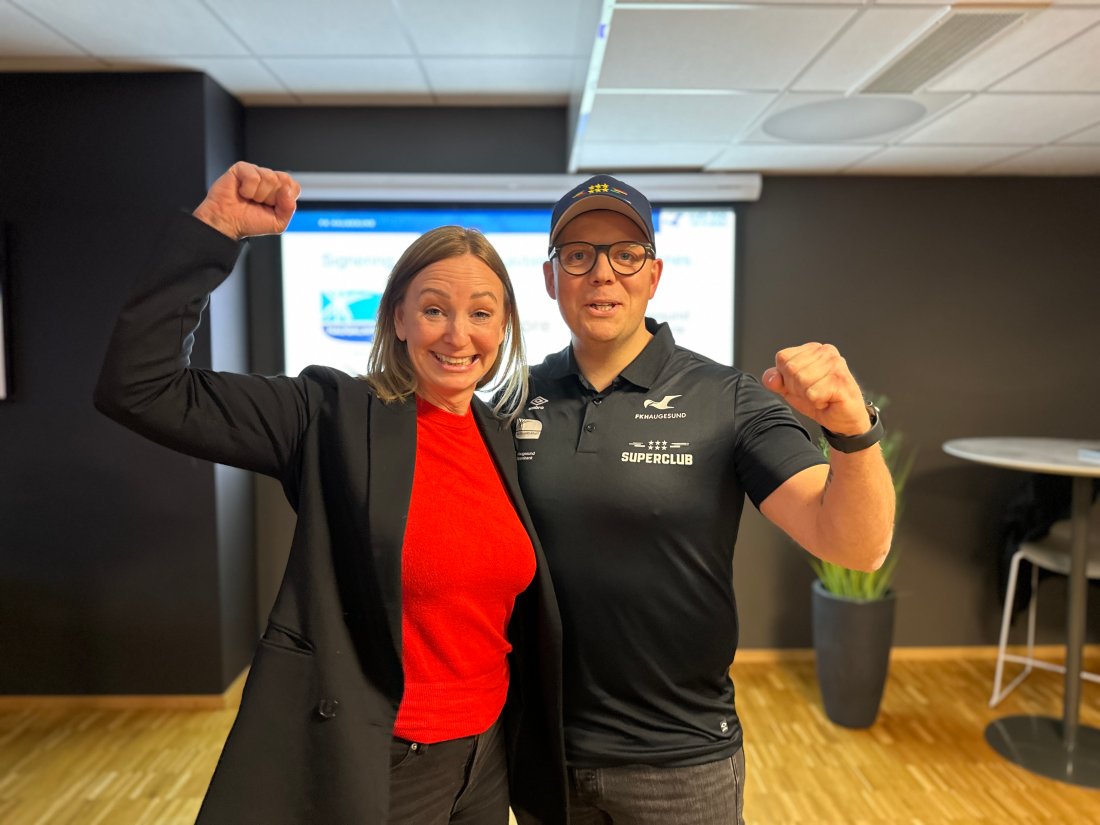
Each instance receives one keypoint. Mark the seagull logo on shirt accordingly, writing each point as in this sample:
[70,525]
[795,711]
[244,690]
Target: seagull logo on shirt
[663,404]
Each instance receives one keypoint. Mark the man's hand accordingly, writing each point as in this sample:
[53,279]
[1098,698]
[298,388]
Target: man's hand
[815,380]
[249,200]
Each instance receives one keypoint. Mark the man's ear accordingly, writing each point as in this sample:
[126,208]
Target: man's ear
[548,276]
[656,268]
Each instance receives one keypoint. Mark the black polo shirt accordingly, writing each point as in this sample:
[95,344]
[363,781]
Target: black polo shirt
[636,493]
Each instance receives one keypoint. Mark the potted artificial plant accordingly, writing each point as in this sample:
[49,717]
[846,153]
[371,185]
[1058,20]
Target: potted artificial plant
[853,617]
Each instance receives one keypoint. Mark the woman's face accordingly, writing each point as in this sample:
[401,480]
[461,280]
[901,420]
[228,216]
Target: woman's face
[452,321]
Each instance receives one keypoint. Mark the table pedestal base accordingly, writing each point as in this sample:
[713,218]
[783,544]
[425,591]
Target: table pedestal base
[1035,743]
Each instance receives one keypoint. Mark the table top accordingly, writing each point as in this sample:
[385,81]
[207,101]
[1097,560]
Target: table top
[1057,456]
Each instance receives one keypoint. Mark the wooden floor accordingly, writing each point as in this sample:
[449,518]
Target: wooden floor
[924,761]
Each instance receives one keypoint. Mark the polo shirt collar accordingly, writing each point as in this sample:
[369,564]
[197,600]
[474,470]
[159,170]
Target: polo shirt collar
[642,372]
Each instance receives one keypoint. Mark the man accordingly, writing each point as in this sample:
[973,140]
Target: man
[635,456]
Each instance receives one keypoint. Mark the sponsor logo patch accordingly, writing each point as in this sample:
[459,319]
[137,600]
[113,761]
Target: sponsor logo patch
[528,428]
[658,451]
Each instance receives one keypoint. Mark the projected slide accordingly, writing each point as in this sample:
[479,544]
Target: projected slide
[335,265]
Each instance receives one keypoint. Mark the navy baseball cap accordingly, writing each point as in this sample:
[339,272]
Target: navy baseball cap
[603,192]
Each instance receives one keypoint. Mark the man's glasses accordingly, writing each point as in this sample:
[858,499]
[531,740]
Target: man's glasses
[625,257]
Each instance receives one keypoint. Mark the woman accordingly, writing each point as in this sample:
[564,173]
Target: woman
[375,692]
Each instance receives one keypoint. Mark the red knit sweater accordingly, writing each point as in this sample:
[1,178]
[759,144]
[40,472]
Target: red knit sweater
[465,558]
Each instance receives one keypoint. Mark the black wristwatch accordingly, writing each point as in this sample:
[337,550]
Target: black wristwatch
[855,443]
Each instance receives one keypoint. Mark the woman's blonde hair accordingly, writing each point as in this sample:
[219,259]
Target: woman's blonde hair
[389,369]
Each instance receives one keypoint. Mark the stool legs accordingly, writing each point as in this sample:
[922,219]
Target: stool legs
[1006,621]
[1029,661]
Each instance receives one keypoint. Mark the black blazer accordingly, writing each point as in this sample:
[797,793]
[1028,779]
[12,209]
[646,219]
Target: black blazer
[311,740]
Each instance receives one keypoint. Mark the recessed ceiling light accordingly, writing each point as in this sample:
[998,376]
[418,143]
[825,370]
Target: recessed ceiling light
[846,118]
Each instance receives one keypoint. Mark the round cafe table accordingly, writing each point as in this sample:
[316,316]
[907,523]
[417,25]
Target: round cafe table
[1058,748]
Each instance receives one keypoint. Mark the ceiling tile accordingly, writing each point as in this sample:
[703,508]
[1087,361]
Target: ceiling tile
[52,64]
[150,27]
[1011,119]
[237,75]
[700,117]
[1073,67]
[931,160]
[597,156]
[942,3]
[367,99]
[872,40]
[1086,136]
[1051,160]
[500,75]
[787,158]
[344,76]
[1017,47]
[745,3]
[22,35]
[746,48]
[332,28]
[497,28]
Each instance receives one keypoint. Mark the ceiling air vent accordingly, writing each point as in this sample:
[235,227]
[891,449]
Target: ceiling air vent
[954,38]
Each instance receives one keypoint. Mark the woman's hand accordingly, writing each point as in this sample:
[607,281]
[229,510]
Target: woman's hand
[249,200]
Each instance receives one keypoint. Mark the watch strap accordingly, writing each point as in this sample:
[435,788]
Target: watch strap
[855,443]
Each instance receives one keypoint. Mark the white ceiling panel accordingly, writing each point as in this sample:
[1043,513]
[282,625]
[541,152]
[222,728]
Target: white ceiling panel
[691,118]
[751,49]
[367,76]
[52,64]
[1051,160]
[332,28]
[976,3]
[520,28]
[1012,119]
[629,3]
[22,35]
[788,158]
[501,75]
[870,41]
[1085,136]
[931,160]
[704,74]
[1073,67]
[240,76]
[138,28]
[597,156]
[1018,46]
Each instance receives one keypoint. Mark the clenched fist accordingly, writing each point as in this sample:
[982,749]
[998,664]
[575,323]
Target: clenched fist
[815,380]
[249,200]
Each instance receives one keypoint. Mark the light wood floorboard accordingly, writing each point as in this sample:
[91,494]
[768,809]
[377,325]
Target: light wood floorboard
[924,762]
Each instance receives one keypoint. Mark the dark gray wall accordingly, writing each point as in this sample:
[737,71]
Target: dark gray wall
[969,302]
[470,140]
[972,304]
[121,568]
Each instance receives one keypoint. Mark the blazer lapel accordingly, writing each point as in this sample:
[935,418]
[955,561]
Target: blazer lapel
[499,441]
[392,461]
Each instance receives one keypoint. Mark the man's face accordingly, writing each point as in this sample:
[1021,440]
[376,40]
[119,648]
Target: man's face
[603,307]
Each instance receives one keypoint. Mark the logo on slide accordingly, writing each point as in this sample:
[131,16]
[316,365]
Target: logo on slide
[350,315]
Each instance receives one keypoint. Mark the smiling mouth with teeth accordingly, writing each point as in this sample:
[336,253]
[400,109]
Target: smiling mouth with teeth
[455,362]
[603,307]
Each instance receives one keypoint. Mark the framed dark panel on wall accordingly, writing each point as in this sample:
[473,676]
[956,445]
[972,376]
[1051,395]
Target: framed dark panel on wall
[5,322]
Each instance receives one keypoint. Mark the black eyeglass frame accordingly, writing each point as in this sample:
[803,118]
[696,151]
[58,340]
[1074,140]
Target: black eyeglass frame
[605,248]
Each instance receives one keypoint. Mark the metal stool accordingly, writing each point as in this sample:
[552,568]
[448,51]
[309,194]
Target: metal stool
[1052,553]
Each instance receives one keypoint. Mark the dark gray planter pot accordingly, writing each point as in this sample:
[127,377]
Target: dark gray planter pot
[852,641]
